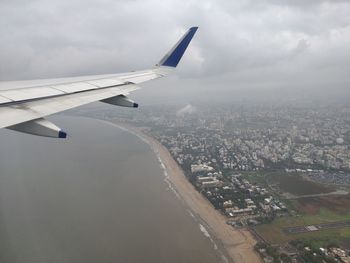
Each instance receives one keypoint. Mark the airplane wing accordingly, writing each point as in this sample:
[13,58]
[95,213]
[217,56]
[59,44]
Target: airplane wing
[24,109]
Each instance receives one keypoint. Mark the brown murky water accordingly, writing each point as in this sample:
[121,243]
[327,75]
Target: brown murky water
[99,196]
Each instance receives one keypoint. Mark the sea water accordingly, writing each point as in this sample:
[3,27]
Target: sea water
[99,196]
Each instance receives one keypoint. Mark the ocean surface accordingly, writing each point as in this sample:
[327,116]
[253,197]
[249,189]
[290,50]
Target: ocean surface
[99,196]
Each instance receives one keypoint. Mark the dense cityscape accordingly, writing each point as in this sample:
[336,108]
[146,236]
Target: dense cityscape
[252,138]
[223,149]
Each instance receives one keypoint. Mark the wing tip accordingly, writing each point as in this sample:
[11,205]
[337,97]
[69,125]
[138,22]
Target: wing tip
[173,57]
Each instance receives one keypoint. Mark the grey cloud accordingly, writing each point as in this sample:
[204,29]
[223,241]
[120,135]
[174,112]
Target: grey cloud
[240,45]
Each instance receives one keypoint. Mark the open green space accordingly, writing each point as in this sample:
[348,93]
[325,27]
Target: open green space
[292,183]
[297,185]
[259,178]
[310,210]
[273,232]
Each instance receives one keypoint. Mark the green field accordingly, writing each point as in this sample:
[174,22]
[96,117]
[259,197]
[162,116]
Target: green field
[273,232]
[297,185]
[285,182]
[256,178]
[311,210]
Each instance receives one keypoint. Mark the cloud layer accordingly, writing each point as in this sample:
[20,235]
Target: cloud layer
[240,44]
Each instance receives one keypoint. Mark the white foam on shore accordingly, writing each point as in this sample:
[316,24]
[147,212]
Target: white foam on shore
[145,140]
[172,188]
[166,175]
[192,215]
[204,231]
[206,234]
[165,171]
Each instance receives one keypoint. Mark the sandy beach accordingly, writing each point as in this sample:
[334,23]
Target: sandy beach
[238,243]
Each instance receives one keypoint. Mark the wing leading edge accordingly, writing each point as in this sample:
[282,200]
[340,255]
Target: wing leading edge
[24,109]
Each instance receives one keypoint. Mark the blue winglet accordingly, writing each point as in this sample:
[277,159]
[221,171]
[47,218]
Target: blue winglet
[172,58]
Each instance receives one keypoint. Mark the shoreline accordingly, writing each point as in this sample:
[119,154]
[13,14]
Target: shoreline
[237,244]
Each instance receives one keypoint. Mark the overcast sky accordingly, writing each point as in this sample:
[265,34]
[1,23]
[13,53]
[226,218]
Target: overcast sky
[244,45]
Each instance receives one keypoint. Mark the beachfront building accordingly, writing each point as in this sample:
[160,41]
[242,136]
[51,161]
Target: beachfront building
[195,168]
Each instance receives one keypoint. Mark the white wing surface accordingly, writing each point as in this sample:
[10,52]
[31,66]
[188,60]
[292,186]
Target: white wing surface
[23,109]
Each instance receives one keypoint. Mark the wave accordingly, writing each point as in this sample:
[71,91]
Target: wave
[206,234]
